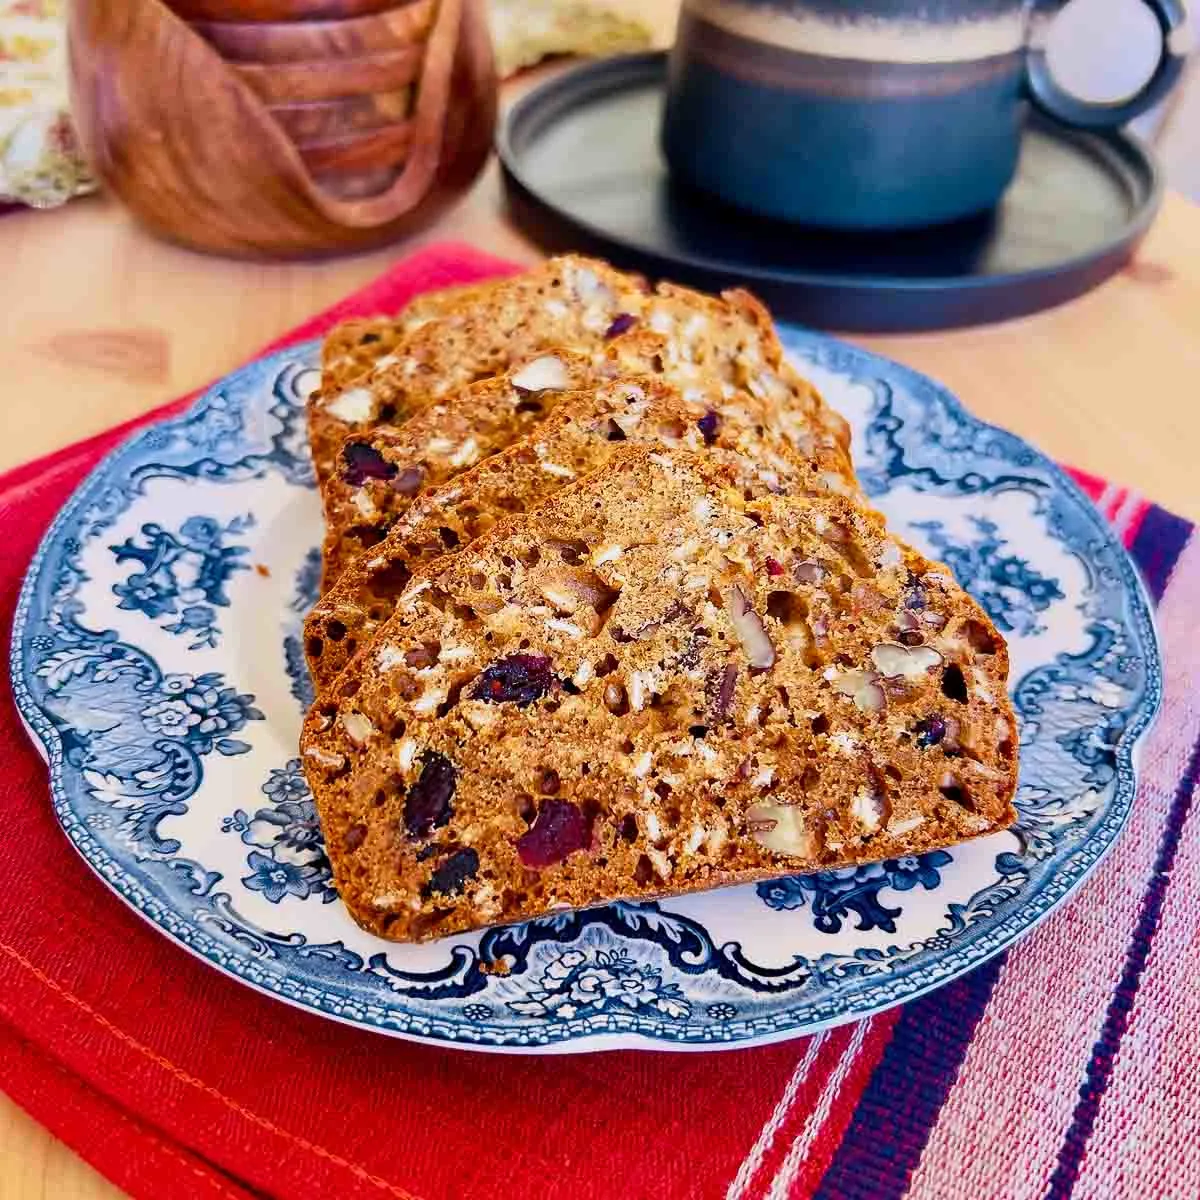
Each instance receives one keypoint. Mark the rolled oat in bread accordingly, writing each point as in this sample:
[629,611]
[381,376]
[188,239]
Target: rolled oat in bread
[650,686]
[578,437]
[377,477]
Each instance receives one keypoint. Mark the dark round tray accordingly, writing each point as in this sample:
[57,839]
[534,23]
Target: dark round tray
[583,171]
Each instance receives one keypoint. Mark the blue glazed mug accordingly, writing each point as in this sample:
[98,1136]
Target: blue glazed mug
[873,114]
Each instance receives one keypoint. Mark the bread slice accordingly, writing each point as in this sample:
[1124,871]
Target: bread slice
[577,303]
[481,333]
[579,436]
[352,348]
[378,475]
[650,686]
[704,366]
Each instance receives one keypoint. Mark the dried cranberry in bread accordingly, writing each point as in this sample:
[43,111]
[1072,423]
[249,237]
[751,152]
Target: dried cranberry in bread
[490,327]
[732,363]
[351,349]
[651,686]
[734,340]
[579,436]
[378,475]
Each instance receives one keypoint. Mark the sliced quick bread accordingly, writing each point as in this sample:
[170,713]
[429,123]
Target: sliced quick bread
[650,685]
[579,436]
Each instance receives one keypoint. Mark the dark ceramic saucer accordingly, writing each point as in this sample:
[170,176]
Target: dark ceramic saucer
[583,171]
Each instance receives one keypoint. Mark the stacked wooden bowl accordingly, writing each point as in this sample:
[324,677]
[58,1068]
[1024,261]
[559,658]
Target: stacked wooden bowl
[339,76]
[374,110]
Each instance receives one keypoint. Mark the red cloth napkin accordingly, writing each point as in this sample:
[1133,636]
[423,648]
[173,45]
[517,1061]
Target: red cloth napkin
[173,1079]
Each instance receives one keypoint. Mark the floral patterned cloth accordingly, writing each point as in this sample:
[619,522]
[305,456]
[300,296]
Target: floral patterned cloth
[40,161]
[526,31]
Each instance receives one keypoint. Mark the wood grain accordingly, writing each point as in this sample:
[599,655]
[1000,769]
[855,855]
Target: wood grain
[138,354]
[1106,382]
[345,115]
[189,146]
[372,149]
[327,79]
[278,10]
[312,41]
[36,1166]
[357,185]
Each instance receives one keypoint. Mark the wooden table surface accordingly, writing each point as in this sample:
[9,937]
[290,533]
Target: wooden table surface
[102,322]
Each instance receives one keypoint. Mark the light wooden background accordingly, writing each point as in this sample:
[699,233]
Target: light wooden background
[100,322]
[112,322]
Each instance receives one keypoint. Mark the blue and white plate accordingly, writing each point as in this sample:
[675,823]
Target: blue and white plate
[157,661]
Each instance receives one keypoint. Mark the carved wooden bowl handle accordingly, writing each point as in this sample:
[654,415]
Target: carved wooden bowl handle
[194,152]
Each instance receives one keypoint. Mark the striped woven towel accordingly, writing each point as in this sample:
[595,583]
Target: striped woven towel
[1064,1068]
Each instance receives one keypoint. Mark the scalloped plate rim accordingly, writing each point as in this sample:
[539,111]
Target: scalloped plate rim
[1127,750]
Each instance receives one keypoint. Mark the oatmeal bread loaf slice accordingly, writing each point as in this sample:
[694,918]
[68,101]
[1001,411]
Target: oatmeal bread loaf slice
[377,477]
[353,347]
[499,323]
[578,437]
[581,304]
[650,686]
[358,513]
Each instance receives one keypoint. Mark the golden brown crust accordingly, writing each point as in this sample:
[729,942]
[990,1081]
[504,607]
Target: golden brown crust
[650,685]
[354,346]
[357,344]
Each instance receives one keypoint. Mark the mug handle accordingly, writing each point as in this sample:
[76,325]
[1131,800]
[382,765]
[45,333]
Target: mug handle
[1046,93]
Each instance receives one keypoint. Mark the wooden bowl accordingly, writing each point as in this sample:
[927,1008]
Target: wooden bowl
[357,185]
[277,10]
[359,153]
[314,41]
[322,119]
[198,157]
[329,79]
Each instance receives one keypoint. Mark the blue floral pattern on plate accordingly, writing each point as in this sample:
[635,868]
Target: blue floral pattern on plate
[289,859]
[835,895]
[182,575]
[1004,583]
[576,982]
[153,713]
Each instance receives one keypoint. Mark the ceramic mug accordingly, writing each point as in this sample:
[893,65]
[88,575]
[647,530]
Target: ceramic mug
[872,114]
